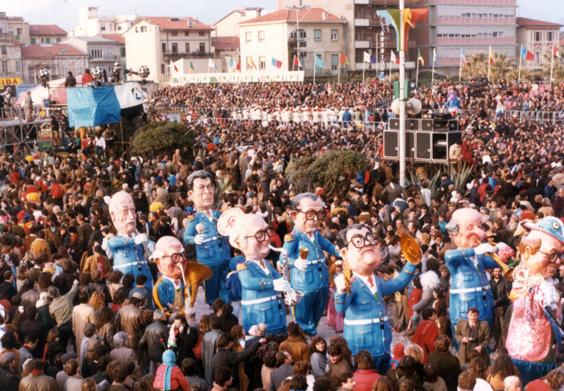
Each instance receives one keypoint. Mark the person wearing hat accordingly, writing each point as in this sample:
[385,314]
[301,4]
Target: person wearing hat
[169,377]
[534,335]
[8,368]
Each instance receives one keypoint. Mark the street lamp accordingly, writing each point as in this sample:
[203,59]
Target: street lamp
[402,97]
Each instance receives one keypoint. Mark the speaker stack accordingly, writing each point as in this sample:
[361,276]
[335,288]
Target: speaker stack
[428,140]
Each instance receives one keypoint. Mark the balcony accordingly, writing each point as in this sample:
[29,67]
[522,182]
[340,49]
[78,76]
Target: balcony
[362,22]
[178,55]
[474,2]
[446,41]
[362,44]
[465,21]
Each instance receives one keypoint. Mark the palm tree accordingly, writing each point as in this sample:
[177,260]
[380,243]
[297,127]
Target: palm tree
[502,67]
[475,66]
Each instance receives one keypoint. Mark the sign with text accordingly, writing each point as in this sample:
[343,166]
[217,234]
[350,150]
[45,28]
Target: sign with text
[238,77]
[10,81]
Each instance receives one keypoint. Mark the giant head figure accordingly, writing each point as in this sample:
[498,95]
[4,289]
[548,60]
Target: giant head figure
[169,256]
[248,233]
[360,249]
[465,229]
[201,190]
[309,211]
[541,248]
[122,212]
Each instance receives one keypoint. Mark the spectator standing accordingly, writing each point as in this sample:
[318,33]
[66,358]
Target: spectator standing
[471,334]
[169,376]
[445,364]
[365,376]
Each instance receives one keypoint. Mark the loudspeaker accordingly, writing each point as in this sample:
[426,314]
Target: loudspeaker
[423,142]
[393,124]
[427,124]
[409,145]
[391,150]
[440,146]
[412,124]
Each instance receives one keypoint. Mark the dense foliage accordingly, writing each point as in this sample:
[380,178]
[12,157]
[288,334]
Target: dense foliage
[161,137]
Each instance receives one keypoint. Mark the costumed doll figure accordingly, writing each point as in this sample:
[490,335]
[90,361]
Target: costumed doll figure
[303,254]
[261,284]
[361,299]
[533,335]
[127,247]
[469,284]
[212,249]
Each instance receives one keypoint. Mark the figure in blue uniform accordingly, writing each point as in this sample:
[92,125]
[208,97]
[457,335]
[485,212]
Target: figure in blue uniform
[469,284]
[127,248]
[361,299]
[261,284]
[303,254]
[212,249]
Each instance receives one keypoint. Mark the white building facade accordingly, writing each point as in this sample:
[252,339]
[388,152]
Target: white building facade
[90,24]
[538,37]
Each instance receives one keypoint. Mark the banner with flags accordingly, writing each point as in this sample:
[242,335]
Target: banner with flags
[367,57]
[318,62]
[276,63]
[420,58]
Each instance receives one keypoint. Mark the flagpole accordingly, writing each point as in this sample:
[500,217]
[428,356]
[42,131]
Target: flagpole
[520,60]
[417,72]
[489,63]
[551,62]
[339,70]
[364,66]
[402,97]
[390,73]
[433,71]
[314,65]
[460,67]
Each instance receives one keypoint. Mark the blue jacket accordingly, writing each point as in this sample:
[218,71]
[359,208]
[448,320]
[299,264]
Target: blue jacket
[129,258]
[257,284]
[464,275]
[316,275]
[215,249]
[361,305]
[163,293]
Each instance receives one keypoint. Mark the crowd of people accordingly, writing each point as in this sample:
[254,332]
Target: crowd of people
[71,319]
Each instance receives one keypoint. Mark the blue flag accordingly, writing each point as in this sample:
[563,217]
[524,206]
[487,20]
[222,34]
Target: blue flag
[319,63]
[523,52]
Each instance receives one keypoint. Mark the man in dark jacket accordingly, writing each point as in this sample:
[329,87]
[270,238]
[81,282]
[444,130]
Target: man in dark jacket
[153,341]
[283,370]
[70,81]
[225,357]
[8,378]
[500,289]
[446,365]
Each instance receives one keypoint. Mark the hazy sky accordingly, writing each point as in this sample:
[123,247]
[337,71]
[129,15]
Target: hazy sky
[65,12]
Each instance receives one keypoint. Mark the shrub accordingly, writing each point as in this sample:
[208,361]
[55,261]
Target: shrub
[161,137]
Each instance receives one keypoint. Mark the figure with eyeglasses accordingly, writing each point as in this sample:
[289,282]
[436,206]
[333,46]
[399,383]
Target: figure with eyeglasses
[261,284]
[212,249]
[361,299]
[303,254]
[169,290]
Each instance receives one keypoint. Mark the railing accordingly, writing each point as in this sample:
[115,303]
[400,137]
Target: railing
[536,116]
[475,41]
[469,21]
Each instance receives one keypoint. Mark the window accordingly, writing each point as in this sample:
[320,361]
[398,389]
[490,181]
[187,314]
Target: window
[201,33]
[334,35]
[4,50]
[174,33]
[202,47]
[538,36]
[136,30]
[143,29]
[18,66]
[186,33]
[162,68]
[248,37]
[96,53]
[102,28]
[122,52]
[174,47]
[187,47]
[261,36]
[262,62]
[537,58]
[302,34]
[4,66]
[317,35]
[18,31]
[549,36]
[58,40]
[47,40]
[163,47]
[334,62]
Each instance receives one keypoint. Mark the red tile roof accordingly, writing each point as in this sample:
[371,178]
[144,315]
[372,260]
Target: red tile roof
[307,15]
[115,37]
[223,44]
[50,51]
[526,22]
[169,23]
[46,29]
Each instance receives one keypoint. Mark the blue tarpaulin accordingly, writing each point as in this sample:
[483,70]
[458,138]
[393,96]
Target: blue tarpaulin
[89,106]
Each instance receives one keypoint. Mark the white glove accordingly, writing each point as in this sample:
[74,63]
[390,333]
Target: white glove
[140,239]
[281,285]
[340,283]
[199,239]
[300,264]
[484,248]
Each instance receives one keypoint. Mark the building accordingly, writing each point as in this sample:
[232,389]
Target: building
[537,37]
[102,52]
[226,49]
[228,26]
[156,41]
[59,59]
[275,37]
[14,32]
[91,25]
[46,34]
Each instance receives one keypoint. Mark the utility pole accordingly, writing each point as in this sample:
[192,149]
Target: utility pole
[402,97]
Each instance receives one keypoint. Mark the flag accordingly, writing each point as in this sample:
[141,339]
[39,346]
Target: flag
[174,67]
[211,63]
[318,62]
[231,63]
[296,63]
[238,66]
[555,51]
[250,63]
[462,57]
[276,63]
[434,55]
[530,56]
[523,53]
[373,59]
[420,59]
[191,69]
[343,59]
[367,57]
[393,57]
[490,56]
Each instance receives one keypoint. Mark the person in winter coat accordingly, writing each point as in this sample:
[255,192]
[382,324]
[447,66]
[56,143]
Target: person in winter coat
[8,376]
[37,380]
[296,343]
[169,377]
[152,341]
[365,376]
[446,365]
